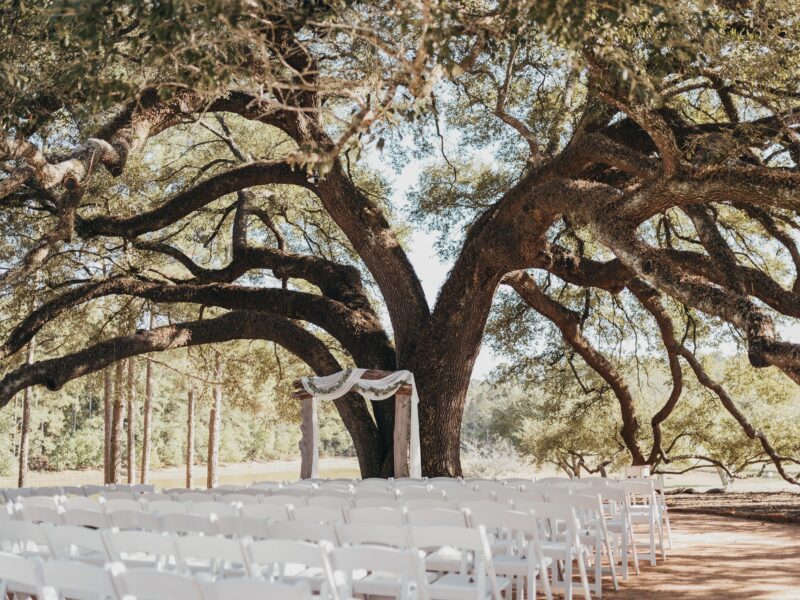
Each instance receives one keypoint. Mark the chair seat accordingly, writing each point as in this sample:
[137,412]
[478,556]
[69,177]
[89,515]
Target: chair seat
[444,560]
[379,583]
[558,550]
[454,586]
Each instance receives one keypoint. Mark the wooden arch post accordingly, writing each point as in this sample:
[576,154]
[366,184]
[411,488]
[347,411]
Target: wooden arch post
[309,427]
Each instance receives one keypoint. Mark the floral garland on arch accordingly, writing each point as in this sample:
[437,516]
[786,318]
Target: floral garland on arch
[338,384]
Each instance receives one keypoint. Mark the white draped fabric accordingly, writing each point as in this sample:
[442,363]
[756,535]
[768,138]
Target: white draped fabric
[337,385]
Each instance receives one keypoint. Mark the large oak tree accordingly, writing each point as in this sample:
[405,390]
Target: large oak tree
[625,149]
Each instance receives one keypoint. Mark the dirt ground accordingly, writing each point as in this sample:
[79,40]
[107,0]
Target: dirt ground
[771,506]
[721,557]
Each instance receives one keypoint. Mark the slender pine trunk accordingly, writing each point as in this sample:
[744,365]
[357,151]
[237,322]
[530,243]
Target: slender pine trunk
[214,423]
[131,393]
[108,390]
[117,416]
[189,437]
[25,425]
[147,426]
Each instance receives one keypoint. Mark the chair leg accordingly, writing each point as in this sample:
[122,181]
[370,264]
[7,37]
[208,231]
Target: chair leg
[611,563]
[568,578]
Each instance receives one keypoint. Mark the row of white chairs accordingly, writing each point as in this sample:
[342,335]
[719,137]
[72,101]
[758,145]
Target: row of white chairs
[370,559]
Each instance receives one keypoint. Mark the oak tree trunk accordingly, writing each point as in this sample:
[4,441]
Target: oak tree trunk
[25,425]
[147,426]
[131,392]
[117,418]
[189,437]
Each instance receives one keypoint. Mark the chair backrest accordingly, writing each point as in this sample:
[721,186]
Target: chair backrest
[82,503]
[151,584]
[213,555]
[428,503]
[77,581]
[182,524]
[394,536]
[70,542]
[376,502]
[405,564]
[50,490]
[41,514]
[155,497]
[468,541]
[285,499]
[240,527]
[19,576]
[269,558]
[91,490]
[25,538]
[379,515]
[236,589]
[409,492]
[119,495]
[273,512]
[207,509]
[557,522]
[140,547]
[126,520]
[167,507]
[38,500]
[482,505]
[436,516]
[237,498]
[112,504]
[295,492]
[252,491]
[316,514]
[85,518]
[73,490]
[339,502]
[142,488]
[191,496]
[305,531]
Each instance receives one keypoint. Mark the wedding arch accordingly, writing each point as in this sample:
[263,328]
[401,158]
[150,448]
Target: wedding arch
[373,385]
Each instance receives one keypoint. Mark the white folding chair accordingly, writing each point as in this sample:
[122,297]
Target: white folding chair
[389,572]
[316,514]
[474,575]
[19,577]
[150,584]
[236,589]
[137,520]
[184,524]
[620,527]
[76,581]
[644,510]
[516,547]
[380,515]
[271,512]
[212,557]
[558,529]
[76,543]
[593,534]
[141,549]
[304,531]
[241,527]
[288,561]
[25,538]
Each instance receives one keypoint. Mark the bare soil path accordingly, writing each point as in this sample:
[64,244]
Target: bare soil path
[721,557]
